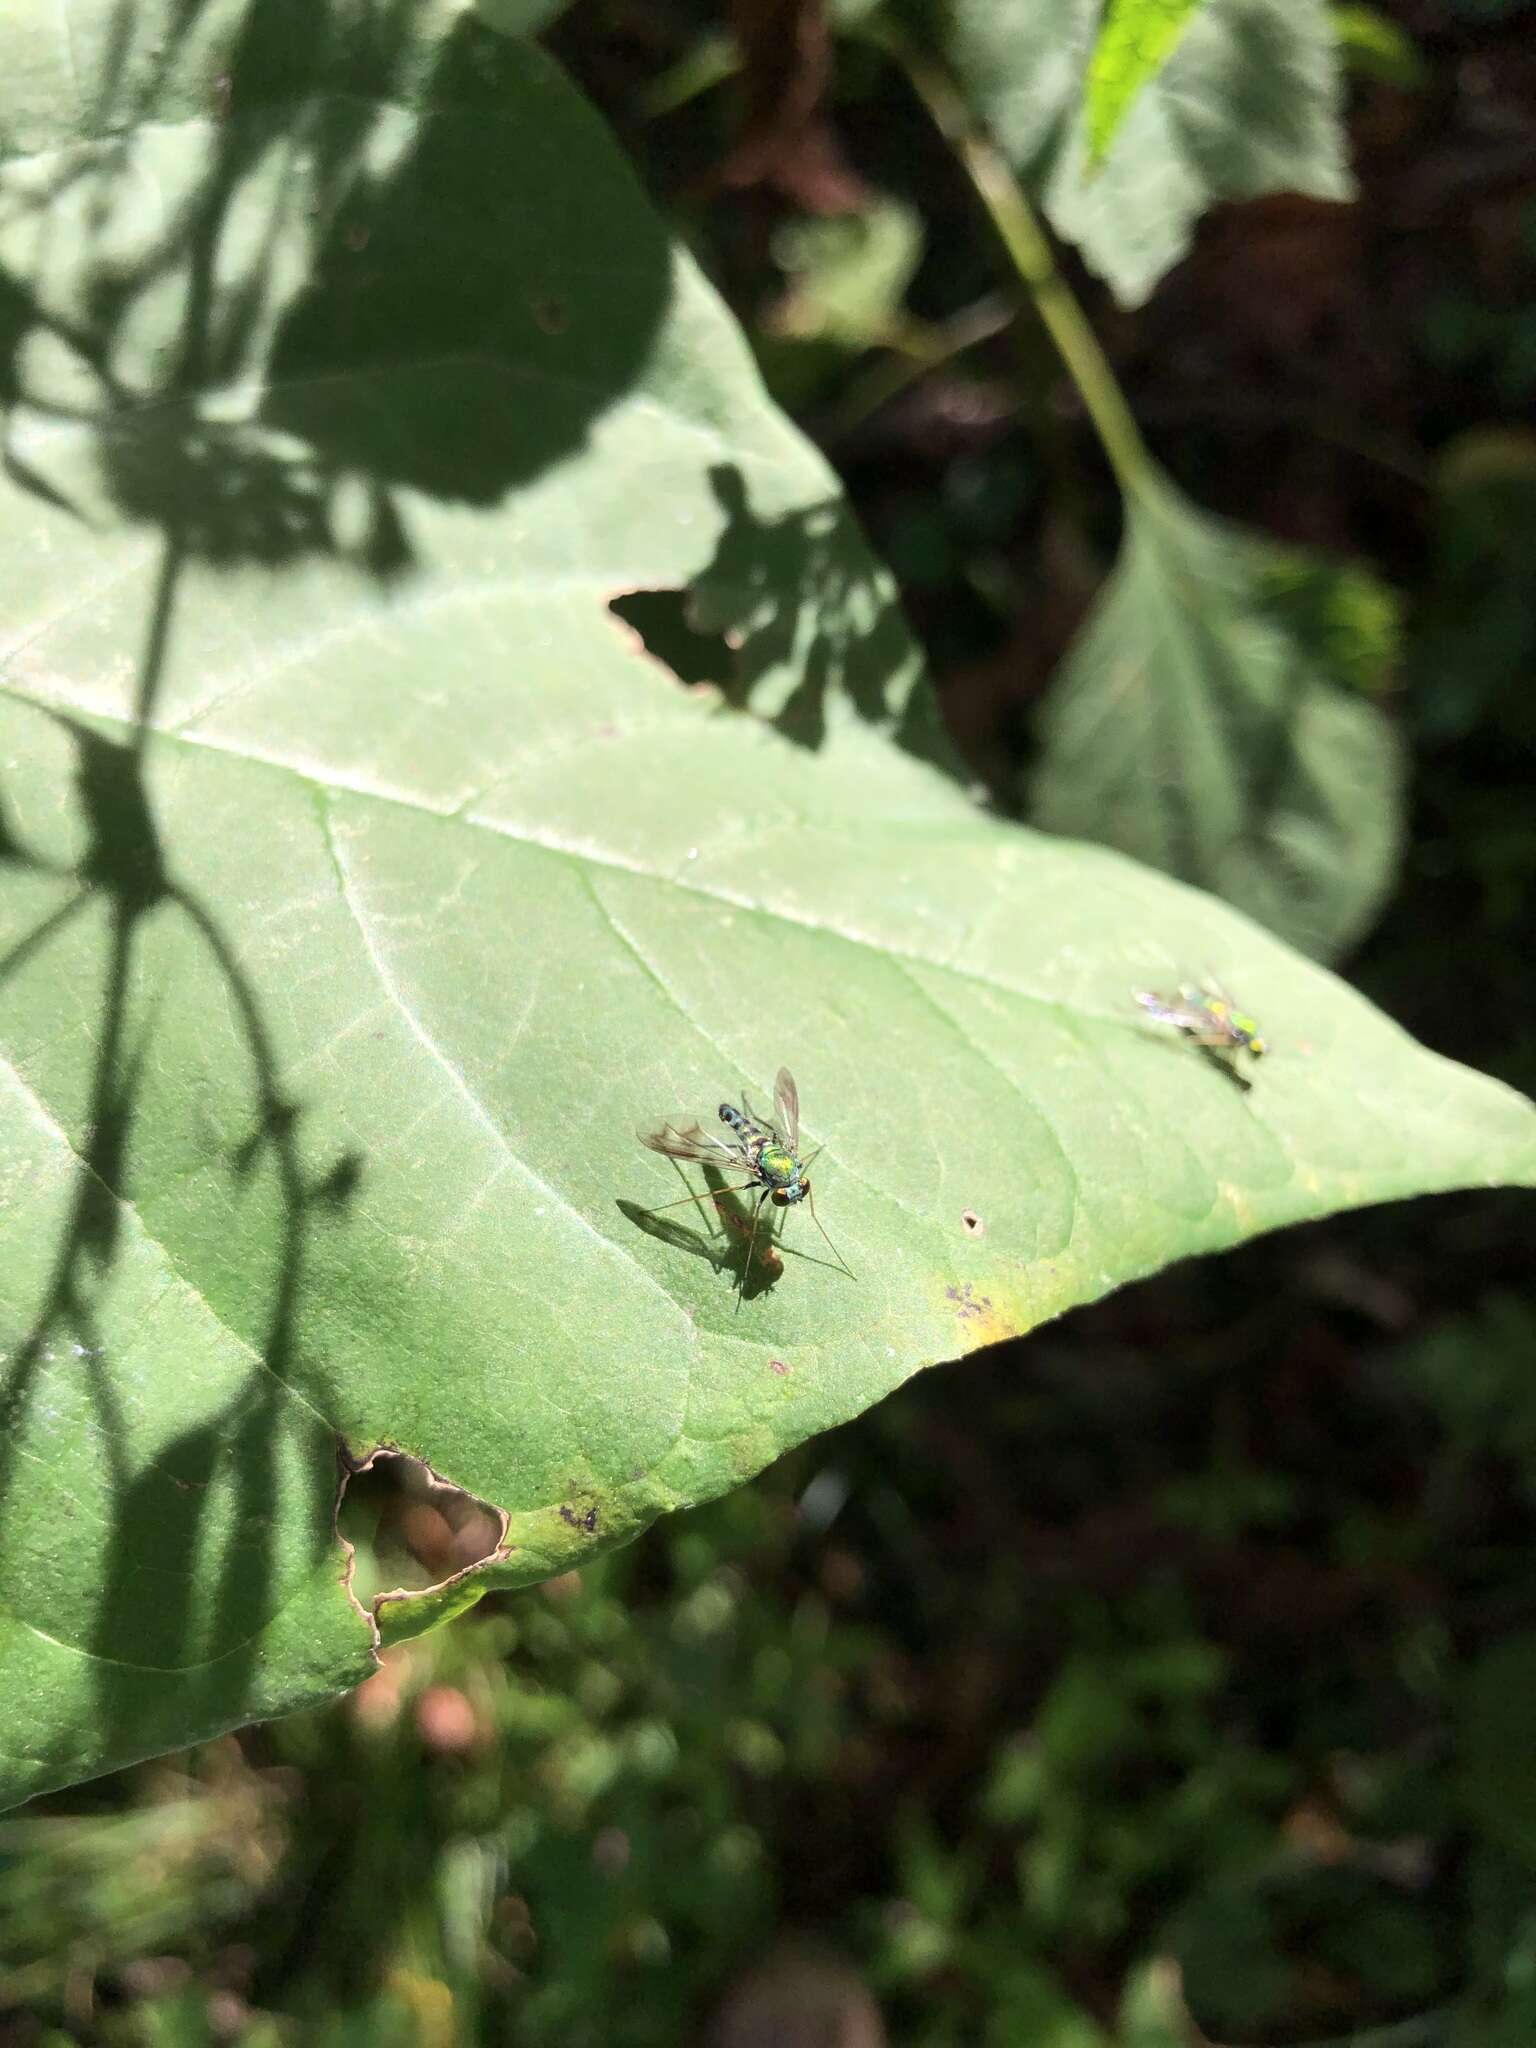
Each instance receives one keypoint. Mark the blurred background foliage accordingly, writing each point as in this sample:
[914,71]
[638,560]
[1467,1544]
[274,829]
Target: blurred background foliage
[1166,1679]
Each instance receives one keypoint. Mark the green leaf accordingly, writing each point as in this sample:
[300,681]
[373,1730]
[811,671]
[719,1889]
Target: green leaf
[1023,65]
[1373,45]
[520,17]
[363,884]
[1499,1775]
[1136,41]
[1196,725]
[1246,101]
[846,276]
[1152,2012]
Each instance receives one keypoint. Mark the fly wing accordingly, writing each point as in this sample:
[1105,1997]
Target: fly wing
[786,1104]
[1183,1015]
[686,1138]
[1202,1023]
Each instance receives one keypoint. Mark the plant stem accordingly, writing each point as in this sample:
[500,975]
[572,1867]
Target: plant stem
[1029,251]
[915,349]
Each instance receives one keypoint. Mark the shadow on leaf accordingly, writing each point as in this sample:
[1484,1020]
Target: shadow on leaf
[729,1252]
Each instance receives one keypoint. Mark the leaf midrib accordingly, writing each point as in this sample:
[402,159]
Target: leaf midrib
[548,843]
[323,790]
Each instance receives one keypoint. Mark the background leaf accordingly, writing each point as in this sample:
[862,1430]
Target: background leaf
[1137,39]
[365,883]
[1196,725]
[1246,102]
[1499,1781]
[1374,46]
[519,17]
[1023,67]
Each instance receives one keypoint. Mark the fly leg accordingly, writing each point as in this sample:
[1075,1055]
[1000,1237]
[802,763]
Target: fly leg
[831,1247]
[751,1246]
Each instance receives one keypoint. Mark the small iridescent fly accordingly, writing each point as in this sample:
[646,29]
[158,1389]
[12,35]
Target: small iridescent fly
[767,1153]
[1207,1018]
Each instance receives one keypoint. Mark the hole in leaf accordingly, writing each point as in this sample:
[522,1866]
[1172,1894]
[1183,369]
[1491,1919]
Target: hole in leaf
[972,1224]
[660,620]
[409,1530]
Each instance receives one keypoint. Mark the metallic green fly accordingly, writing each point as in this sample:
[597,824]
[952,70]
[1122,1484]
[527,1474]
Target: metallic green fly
[1207,1018]
[766,1153]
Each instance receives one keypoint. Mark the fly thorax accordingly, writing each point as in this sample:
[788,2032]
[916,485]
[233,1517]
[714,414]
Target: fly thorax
[778,1165]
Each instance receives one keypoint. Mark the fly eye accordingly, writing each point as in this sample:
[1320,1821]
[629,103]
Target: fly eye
[780,1197]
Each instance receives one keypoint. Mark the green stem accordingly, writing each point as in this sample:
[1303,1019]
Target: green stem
[1029,251]
[914,350]
[707,65]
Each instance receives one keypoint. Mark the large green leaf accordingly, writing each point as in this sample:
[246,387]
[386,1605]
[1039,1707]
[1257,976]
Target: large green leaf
[1243,98]
[1197,725]
[364,885]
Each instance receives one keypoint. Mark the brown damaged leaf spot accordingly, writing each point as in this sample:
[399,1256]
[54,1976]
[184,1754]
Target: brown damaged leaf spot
[982,1320]
[967,1302]
[418,1532]
[972,1224]
[777,1367]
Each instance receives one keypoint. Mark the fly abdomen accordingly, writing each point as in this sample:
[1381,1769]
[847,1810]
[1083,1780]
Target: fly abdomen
[746,1127]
